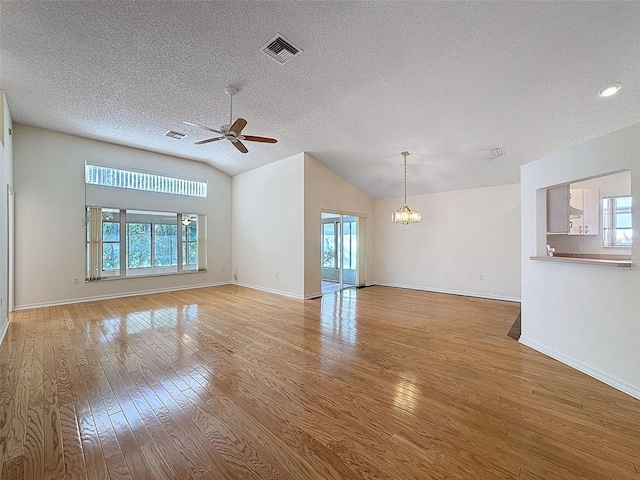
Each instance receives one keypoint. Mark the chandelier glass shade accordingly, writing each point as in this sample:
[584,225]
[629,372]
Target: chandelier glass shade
[404,215]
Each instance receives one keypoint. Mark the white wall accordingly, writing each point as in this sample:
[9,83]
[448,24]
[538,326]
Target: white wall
[462,235]
[50,209]
[608,186]
[6,181]
[585,316]
[268,227]
[276,223]
[326,191]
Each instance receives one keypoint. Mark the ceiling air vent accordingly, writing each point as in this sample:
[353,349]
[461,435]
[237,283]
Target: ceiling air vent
[176,135]
[280,49]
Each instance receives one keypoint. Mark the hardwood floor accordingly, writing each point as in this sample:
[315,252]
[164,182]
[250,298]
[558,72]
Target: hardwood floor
[227,383]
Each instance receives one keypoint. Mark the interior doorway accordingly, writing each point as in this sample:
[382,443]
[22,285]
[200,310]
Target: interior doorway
[339,260]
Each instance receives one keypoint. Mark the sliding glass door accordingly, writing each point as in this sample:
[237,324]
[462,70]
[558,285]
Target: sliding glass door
[339,252]
[349,251]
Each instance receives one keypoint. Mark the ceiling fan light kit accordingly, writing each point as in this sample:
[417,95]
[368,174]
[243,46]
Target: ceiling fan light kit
[231,131]
[404,215]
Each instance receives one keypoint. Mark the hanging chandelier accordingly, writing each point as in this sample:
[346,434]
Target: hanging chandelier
[404,214]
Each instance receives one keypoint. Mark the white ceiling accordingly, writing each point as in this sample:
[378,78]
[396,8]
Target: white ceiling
[445,80]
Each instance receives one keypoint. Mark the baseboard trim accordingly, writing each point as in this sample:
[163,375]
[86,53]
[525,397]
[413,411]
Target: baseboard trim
[116,295]
[4,331]
[450,292]
[270,290]
[625,387]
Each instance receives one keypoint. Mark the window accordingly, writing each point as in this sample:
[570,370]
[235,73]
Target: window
[138,245]
[331,238]
[113,177]
[127,243]
[616,222]
[350,239]
[189,245]
[110,241]
[329,242]
[166,245]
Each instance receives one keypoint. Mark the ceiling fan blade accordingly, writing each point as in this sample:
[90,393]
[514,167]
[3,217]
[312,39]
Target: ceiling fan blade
[202,126]
[252,138]
[209,140]
[240,146]
[238,125]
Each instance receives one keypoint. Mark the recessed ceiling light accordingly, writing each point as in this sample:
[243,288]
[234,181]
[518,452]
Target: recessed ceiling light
[609,90]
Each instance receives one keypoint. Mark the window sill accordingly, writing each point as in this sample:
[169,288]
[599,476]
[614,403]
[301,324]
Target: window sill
[168,274]
[619,261]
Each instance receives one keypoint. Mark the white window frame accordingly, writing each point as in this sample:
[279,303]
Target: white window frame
[609,222]
[95,242]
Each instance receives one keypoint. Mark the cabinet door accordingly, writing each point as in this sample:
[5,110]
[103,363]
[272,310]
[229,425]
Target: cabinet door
[558,209]
[591,214]
[576,207]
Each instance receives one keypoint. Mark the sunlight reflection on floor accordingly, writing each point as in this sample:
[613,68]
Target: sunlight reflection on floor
[338,317]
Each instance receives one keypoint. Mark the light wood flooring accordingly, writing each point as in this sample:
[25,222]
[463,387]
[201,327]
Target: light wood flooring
[227,382]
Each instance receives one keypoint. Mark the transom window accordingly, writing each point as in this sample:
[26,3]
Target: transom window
[129,243]
[150,182]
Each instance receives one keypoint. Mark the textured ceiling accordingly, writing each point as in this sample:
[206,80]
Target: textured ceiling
[445,80]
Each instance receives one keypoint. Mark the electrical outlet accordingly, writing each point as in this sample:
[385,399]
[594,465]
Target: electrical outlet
[574,247]
[388,269]
[481,277]
[276,274]
[224,268]
[75,281]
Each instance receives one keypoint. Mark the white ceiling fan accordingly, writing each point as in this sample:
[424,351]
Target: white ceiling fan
[232,131]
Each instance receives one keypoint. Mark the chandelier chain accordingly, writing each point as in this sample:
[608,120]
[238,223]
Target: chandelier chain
[404,154]
[404,215]
[405,180]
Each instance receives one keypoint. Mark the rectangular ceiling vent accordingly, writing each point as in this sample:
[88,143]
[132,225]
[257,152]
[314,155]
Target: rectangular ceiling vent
[176,135]
[280,49]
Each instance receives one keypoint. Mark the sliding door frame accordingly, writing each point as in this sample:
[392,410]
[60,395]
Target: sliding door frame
[361,264]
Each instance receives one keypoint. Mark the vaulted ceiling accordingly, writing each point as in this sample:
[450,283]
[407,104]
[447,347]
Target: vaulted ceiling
[447,81]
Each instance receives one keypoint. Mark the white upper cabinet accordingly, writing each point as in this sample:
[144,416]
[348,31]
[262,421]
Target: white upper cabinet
[584,211]
[591,212]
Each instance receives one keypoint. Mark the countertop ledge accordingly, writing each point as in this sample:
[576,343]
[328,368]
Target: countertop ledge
[598,262]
